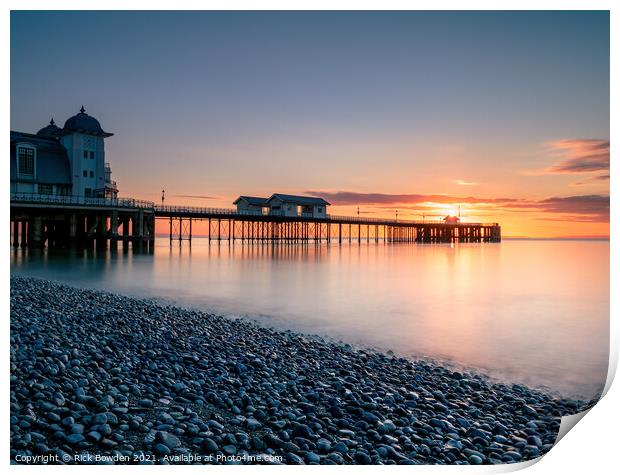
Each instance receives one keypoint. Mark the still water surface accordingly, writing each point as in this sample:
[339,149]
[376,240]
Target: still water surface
[527,311]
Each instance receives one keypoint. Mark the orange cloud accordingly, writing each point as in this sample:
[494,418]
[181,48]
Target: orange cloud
[199,197]
[588,180]
[354,198]
[581,156]
[590,208]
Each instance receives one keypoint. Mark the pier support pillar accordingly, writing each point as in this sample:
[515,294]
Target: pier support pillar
[134,231]
[113,228]
[140,229]
[125,232]
[15,233]
[151,223]
[91,228]
[37,229]
[101,240]
[25,233]
[73,230]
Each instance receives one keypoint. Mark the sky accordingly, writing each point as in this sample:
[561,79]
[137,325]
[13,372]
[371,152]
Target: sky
[503,114]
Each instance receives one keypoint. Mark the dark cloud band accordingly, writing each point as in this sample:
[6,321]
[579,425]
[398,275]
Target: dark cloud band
[582,156]
[593,208]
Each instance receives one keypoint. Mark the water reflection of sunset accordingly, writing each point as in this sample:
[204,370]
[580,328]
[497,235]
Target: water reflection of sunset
[476,305]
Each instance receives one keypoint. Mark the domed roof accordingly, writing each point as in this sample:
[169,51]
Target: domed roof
[50,131]
[82,122]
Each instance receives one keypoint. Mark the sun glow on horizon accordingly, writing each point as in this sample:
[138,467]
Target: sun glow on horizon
[518,218]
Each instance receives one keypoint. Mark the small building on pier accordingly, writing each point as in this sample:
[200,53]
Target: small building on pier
[62,161]
[251,205]
[290,206]
[297,206]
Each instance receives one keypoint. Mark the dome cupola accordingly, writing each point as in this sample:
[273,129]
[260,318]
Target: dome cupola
[85,124]
[51,131]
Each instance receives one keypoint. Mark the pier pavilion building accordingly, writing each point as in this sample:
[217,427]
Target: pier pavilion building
[279,204]
[67,161]
[251,205]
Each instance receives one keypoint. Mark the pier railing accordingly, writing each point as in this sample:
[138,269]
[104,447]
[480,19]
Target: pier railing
[206,211]
[358,219]
[197,211]
[38,198]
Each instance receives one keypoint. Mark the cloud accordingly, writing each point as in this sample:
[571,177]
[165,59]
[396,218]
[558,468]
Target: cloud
[581,156]
[466,183]
[201,197]
[354,198]
[572,218]
[595,207]
[591,208]
[604,177]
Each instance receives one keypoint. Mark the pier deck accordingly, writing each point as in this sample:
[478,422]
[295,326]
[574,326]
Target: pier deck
[67,221]
[74,221]
[230,224]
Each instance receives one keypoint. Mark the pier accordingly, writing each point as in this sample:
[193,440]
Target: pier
[70,221]
[232,225]
[74,221]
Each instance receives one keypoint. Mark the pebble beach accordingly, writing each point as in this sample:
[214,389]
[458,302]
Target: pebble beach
[98,377]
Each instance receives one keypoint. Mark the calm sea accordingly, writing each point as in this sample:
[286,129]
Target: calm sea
[527,311]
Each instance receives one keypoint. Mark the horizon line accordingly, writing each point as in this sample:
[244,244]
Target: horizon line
[533,238]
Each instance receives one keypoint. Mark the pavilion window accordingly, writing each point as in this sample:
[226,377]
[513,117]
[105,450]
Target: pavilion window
[26,161]
[45,189]
[62,190]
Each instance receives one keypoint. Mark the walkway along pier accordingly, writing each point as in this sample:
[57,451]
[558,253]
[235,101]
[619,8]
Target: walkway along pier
[70,221]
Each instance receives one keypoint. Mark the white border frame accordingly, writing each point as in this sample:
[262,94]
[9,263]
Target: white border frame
[592,446]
